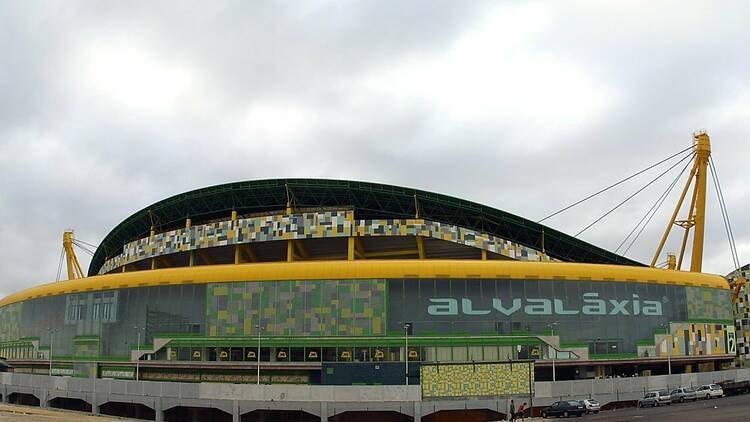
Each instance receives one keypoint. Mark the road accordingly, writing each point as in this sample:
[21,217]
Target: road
[727,409]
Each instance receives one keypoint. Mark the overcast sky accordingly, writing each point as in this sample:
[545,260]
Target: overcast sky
[107,107]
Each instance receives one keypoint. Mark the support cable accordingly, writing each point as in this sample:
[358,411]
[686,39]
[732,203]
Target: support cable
[615,184]
[59,264]
[83,248]
[632,242]
[724,215]
[86,243]
[653,210]
[633,195]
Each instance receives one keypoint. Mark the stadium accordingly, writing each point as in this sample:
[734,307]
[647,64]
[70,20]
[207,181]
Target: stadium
[305,281]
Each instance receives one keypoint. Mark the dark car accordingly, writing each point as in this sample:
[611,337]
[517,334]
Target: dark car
[564,409]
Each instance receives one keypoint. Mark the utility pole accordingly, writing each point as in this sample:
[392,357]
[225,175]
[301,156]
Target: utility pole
[257,382]
[51,336]
[406,350]
[138,353]
[554,350]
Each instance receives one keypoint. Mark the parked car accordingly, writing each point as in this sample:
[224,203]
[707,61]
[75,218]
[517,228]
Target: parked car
[564,409]
[655,398]
[591,405]
[683,394]
[709,391]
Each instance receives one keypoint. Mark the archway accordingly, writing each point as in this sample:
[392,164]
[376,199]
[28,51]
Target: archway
[371,416]
[128,410]
[468,415]
[70,404]
[263,415]
[23,399]
[196,414]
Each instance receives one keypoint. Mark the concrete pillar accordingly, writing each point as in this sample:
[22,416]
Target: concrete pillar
[43,398]
[235,411]
[5,396]
[417,411]
[158,410]
[323,411]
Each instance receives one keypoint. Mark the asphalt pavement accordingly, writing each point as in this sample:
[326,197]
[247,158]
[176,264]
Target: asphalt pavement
[729,409]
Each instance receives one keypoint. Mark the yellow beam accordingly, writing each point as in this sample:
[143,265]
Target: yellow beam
[71,260]
[420,247]
[290,251]
[703,152]
[674,215]
[686,225]
[374,269]
[350,248]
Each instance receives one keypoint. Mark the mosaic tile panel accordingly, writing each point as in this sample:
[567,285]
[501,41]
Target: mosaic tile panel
[245,230]
[701,303]
[317,307]
[698,340]
[742,324]
[309,226]
[10,322]
[476,380]
[448,232]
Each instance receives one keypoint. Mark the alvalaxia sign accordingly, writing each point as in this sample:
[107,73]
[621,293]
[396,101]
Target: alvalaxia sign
[591,304]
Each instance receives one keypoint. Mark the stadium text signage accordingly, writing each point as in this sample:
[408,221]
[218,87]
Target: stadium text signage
[592,305]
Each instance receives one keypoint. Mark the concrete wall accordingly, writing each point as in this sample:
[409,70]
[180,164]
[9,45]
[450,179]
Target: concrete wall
[327,401]
[631,388]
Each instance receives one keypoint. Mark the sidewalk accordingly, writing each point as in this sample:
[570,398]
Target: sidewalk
[13,413]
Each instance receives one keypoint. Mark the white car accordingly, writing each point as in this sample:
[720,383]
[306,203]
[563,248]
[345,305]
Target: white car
[709,391]
[591,405]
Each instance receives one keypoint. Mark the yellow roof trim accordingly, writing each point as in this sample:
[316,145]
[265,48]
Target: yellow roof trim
[362,269]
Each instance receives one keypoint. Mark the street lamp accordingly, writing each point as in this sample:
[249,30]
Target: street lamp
[669,348]
[52,332]
[551,326]
[257,381]
[138,352]
[406,350]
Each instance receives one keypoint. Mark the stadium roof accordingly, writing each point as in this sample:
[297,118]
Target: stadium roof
[368,200]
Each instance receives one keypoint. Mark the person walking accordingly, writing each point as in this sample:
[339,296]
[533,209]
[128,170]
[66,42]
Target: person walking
[512,411]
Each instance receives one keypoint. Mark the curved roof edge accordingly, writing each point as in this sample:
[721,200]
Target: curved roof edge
[368,200]
[368,269]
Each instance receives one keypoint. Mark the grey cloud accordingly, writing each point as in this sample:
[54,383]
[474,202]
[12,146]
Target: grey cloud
[71,157]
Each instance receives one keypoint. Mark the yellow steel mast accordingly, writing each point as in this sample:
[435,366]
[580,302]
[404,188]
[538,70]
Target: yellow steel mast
[74,267]
[697,212]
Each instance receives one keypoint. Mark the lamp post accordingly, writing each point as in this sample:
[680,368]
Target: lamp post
[138,352]
[669,348]
[551,326]
[406,350]
[51,336]
[257,381]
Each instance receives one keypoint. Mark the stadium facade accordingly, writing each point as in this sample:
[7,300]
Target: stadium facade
[287,280]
